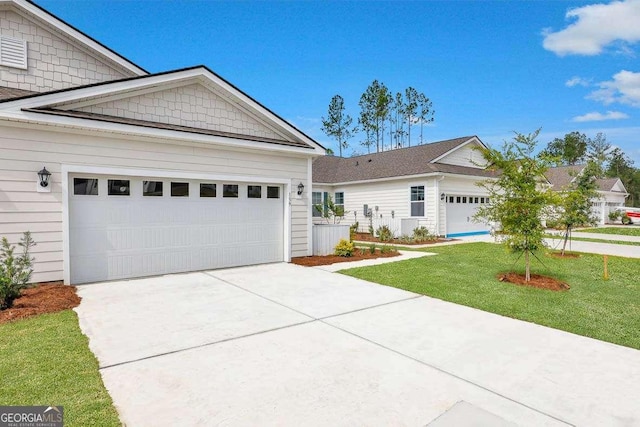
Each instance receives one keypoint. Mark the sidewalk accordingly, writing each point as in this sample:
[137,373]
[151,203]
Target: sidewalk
[603,236]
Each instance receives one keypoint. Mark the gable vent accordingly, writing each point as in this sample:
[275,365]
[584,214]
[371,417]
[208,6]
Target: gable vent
[13,52]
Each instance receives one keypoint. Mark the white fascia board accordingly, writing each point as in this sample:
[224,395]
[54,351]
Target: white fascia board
[74,34]
[397,178]
[28,117]
[467,142]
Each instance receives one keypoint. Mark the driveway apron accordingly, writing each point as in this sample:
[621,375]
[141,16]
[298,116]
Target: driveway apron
[281,344]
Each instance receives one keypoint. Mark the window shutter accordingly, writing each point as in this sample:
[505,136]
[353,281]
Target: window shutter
[13,52]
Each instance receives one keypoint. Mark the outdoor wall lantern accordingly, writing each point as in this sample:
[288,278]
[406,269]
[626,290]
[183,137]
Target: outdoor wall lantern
[43,177]
[300,189]
[442,196]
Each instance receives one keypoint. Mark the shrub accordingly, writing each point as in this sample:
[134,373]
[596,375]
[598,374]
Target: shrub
[385,249]
[372,248]
[625,219]
[344,248]
[614,216]
[353,229]
[422,234]
[405,239]
[384,233]
[15,270]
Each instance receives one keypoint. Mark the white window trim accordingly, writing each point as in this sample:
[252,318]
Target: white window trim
[420,184]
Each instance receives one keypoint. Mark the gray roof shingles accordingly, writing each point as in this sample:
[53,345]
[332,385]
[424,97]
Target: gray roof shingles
[395,163]
[560,177]
[10,92]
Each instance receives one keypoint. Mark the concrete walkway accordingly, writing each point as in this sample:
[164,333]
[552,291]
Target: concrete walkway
[602,236]
[623,250]
[286,345]
[404,255]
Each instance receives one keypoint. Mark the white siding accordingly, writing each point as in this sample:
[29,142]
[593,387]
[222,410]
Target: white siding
[388,196]
[54,60]
[24,152]
[464,156]
[193,105]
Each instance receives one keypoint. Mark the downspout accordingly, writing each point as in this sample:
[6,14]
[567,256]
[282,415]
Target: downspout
[438,204]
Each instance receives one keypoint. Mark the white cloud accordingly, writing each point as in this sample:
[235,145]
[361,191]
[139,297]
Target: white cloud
[577,81]
[598,117]
[624,88]
[596,26]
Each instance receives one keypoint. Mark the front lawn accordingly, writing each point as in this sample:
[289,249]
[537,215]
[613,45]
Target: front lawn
[45,360]
[630,230]
[466,274]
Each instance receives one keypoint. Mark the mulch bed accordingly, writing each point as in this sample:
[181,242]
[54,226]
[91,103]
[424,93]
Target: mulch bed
[366,237]
[537,281]
[566,255]
[43,298]
[312,261]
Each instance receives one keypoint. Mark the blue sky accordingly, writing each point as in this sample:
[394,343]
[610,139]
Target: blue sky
[489,67]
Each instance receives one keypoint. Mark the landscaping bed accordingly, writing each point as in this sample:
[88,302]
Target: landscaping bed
[367,237]
[358,254]
[536,281]
[43,298]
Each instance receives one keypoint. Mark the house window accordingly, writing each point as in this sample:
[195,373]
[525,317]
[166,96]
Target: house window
[230,190]
[179,189]
[207,190]
[273,192]
[316,200]
[482,200]
[451,199]
[339,202]
[254,191]
[475,200]
[457,199]
[464,199]
[118,187]
[417,200]
[85,186]
[152,188]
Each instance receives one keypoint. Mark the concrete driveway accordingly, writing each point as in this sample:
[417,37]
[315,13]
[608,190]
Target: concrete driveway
[281,344]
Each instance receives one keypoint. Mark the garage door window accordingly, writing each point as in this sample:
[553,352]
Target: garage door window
[417,200]
[179,189]
[273,192]
[229,190]
[152,188]
[85,186]
[254,191]
[118,187]
[207,190]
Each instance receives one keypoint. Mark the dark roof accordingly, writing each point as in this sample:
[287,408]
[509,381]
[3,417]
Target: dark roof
[395,163]
[167,126]
[9,93]
[606,184]
[560,177]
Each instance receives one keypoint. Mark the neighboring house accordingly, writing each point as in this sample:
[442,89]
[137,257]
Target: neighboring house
[611,191]
[432,185]
[151,173]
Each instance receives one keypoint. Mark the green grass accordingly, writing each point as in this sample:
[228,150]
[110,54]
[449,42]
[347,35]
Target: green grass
[586,239]
[466,274]
[630,230]
[45,360]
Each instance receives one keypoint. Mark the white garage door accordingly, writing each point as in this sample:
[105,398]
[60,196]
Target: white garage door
[460,212]
[122,227]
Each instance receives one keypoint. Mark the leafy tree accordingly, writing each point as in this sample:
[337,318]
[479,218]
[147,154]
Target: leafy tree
[383,102]
[329,152]
[518,200]
[367,117]
[330,211]
[621,166]
[425,112]
[575,202]
[570,150]
[598,152]
[338,123]
[411,97]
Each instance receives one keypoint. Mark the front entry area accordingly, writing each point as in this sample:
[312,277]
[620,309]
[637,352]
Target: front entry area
[460,212]
[123,227]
